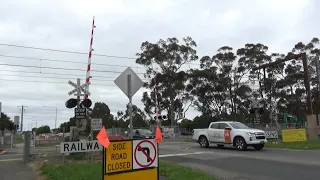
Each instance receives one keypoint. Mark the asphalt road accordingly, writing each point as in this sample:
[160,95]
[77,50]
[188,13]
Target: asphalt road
[226,163]
[230,164]
[12,166]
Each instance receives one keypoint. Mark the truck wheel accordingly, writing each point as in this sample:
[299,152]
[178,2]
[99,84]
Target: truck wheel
[203,141]
[258,146]
[240,144]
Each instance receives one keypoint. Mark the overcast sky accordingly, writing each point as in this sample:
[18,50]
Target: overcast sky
[121,27]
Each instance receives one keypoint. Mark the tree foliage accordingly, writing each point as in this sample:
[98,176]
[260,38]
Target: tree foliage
[164,62]
[6,123]
[43,130]
[224,86]
[221,85]
[101,110]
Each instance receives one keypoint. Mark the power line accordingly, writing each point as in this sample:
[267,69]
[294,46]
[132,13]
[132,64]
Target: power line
[58,68]
[63,51]
[65,61]
[52,77]
[50,82]
[39,72]
[74,52]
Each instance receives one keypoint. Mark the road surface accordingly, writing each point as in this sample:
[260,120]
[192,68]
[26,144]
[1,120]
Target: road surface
[12,166]
[230,164]
[227,163]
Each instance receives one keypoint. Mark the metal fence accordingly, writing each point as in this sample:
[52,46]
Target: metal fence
[9,139]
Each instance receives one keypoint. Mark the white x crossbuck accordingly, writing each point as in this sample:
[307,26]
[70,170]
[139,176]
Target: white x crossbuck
[78,88]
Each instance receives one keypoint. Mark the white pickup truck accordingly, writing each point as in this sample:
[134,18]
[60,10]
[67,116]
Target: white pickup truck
[230,133]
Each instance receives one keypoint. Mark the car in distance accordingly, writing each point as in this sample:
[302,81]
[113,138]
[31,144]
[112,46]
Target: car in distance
[230,133]
[142,134]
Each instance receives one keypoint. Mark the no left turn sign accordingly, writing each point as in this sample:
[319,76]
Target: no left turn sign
[145,154]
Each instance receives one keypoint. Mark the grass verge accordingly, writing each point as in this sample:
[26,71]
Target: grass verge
[295,145]
[18,140]
[92,171]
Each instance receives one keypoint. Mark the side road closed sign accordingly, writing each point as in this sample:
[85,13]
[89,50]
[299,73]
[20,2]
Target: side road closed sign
[131,159]
[80,146]
[119,156]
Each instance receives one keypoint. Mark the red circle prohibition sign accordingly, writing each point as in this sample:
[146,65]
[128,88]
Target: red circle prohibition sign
[138,147]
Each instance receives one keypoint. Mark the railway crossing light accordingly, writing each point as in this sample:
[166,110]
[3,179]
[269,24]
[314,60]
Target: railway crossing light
[160,117]
[71,103]
[86,103]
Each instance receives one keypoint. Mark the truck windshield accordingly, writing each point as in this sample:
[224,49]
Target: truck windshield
[239,126]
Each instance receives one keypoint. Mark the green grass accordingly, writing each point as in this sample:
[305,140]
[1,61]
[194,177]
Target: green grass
[18,140]
[295,145]
[92,171]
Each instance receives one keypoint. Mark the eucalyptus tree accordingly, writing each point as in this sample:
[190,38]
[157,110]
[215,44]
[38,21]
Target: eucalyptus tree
[165,63]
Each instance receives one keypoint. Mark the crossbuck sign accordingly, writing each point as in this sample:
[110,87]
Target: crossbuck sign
[78,88]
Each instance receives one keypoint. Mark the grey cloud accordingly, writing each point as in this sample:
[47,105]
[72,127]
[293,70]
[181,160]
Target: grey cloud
[120,31]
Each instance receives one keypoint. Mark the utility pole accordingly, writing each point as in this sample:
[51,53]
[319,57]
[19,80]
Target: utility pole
[55,121]
[22,113]
[56,111]
[318,81]
[318,74]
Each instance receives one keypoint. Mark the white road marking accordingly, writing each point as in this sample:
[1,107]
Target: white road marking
[182,154]
[283,149]
[11,154]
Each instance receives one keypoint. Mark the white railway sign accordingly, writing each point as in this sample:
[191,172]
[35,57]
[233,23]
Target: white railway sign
[78,88]
[80,146]
[96,124]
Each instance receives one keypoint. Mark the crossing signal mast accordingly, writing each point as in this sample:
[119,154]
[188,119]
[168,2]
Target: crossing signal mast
[158,116]
[80,107]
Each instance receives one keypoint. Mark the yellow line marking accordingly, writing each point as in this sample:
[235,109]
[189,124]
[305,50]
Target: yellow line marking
[3,151]
[7,160]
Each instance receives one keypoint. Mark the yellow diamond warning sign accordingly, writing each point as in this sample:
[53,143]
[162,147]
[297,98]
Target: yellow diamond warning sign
[119,156]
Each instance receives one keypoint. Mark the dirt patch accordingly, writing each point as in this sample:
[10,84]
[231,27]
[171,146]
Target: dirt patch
[36,166]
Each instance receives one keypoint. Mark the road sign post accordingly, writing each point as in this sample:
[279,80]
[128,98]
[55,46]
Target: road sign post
[129,82]
[131,159]
[130,103]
